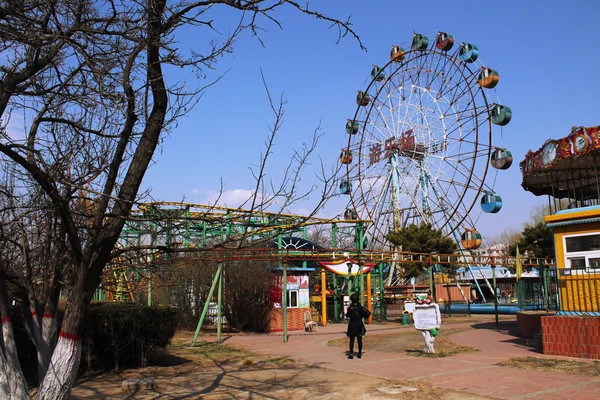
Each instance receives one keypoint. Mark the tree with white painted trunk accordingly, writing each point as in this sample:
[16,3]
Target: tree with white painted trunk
[86,79]
[32,254]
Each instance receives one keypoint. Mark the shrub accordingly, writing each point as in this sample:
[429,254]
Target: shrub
[121,334]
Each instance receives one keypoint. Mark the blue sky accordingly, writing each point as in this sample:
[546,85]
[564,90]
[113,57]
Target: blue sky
[545,51]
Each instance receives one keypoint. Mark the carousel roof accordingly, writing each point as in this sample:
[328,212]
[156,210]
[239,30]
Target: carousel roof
[565,168]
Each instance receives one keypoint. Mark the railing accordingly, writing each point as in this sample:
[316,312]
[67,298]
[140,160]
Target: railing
[579,291]
[539,294]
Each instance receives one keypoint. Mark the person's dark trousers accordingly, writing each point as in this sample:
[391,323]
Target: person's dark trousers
[351,353]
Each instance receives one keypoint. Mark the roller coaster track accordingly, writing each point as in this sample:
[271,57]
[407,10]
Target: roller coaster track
[252,222]
[370,256]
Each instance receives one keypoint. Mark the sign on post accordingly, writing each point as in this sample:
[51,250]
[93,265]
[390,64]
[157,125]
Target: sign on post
[428,320]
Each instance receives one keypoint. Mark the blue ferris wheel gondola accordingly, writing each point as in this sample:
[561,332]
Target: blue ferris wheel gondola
[350,214]
[468,52]
[491,203]
[377,73]
[345,187]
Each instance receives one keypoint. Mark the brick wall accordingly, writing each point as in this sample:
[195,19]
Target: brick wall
[529,322]
[571,336]
[295,319]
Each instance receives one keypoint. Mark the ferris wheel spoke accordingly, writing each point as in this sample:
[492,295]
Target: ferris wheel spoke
[448,208]
[389,99]
[468,172]
[469,154]
[416,207]
[459,184]
[450,79]
[466,123]
[476,111]
[377,210]
[471,88]
[467,79]
[438,68]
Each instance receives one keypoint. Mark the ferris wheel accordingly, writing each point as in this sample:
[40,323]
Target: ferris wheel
[420,142]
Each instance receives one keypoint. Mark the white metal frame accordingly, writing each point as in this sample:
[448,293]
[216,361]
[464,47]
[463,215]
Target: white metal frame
[586,255]
[290,294]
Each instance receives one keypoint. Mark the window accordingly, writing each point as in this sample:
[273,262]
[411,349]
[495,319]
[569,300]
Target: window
[582,243]
[292,301]
[582,252]
[577,262]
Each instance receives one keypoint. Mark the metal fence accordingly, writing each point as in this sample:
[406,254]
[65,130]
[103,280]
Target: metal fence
[579,291]
[539,294]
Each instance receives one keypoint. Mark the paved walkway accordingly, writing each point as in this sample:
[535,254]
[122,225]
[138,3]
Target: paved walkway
[473,373]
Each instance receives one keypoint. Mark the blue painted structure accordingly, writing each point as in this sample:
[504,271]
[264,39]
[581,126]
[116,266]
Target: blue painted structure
[503,309]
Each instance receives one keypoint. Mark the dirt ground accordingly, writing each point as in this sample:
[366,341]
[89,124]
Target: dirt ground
[241,382]
[210,371]
[409,342]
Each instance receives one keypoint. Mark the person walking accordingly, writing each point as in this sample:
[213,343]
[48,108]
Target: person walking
[356,328]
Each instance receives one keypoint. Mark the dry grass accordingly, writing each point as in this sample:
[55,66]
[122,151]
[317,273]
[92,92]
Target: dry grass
[409,342]
[180,357]
[588,368]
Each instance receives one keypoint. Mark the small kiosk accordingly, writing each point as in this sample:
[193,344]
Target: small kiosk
[298,300]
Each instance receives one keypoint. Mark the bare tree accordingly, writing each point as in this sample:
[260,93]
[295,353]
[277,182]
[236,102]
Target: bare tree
[501,243]
[33,252]
[88,78]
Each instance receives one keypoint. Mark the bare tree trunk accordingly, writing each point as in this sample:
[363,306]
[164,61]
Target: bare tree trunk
[62,371]
[49,330]
[64,364]
[48,339]
[12,381]
[43,337]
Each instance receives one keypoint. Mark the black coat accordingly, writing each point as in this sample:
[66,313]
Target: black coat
[356,313]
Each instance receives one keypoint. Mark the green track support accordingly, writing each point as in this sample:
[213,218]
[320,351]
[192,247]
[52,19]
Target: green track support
[219,305]
[361,278]
[284,303]
[206,305]
[334,229]
[305,263]
[382,312]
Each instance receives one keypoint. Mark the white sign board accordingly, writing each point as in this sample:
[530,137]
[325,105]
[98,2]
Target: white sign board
[410,307]
[427,316]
